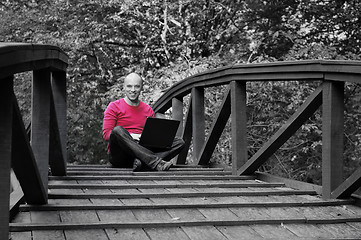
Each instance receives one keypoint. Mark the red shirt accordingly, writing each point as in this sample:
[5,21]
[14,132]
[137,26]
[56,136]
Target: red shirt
[119,113]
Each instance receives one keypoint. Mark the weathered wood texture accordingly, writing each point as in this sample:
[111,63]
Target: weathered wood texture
[24,163]
[218,125]
[181,208]
[40,121]
[6,109]
[186,135]
[198,124]
[311,70]
[15,145]
[284,133]
[21,57]
[331,74]
[58,126]
[349,186]
[177,114]
[239,125]
[332,136]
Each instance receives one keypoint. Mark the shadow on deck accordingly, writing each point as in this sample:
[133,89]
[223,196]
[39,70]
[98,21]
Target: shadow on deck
[98,202]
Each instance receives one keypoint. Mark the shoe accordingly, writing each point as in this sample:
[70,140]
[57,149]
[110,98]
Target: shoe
[137,165]
[163,165]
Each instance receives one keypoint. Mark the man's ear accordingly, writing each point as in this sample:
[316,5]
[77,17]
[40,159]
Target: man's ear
[160,115]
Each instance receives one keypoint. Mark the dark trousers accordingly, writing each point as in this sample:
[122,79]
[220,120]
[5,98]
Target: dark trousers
[124,149]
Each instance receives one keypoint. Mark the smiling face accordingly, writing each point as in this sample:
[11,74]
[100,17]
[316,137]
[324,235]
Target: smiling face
[133,84]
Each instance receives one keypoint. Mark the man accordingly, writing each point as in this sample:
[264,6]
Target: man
[123,124]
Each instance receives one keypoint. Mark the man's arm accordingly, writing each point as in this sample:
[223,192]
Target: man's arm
[109,121]
[160,115]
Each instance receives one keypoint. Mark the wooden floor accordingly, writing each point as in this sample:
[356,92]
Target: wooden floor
[95,202]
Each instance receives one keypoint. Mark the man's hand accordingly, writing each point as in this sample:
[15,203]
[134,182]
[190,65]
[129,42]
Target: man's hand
[135,136]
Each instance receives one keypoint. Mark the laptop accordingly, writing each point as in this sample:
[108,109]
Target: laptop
[159,133]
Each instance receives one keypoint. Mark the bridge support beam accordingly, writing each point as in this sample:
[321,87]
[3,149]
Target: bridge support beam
[6,113]
[177,113]
[332,136]
[40,122]
[198,119]
[58,155]
[239,125]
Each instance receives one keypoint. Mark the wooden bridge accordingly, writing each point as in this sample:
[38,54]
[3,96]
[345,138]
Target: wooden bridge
[187,202]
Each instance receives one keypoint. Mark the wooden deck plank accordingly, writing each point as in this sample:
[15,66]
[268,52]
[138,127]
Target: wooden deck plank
[203,232]
[46,235]
[355,225]
[98,182]
[176,203]
[106,202]
[69,202]
[22,217]
[92,191]
[166,233]
[113,182]
[352,209]
[314,213]
[167,201]
[127,233]
[230,200]
[170,184]
[218,213]
[45,217]
[153,190]
[162,207]
[137,201]
[157,173]
[79,216]
[20,235]
[151,178]
[124,191]
[186,214]
[341,230]
[60,182]
[308,231]
[89,234]
[273,231]
[145,215]
[152,223]
[239,232]
[121,216]
[198,200]
[252,213]
[183,192]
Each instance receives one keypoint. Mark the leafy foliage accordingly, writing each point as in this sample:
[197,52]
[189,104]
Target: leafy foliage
[167,41]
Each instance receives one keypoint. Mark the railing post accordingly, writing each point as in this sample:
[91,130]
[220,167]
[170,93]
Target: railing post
[40,122]
[58,154]
[177,113]
[6,108]
[186,135]
[239,125]
[198,118]
[332,136]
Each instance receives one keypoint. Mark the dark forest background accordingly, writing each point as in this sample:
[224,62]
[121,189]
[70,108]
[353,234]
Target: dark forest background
[168,40]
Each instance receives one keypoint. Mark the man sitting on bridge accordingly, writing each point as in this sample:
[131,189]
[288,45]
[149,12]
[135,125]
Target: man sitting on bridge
[123,124]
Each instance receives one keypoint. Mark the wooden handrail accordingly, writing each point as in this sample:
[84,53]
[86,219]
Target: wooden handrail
[331,74]
[30,158]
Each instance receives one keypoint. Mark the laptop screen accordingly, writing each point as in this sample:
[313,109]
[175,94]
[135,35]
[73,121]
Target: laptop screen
[159,133]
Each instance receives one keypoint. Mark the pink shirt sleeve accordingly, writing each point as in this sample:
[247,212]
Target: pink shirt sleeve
[109,121]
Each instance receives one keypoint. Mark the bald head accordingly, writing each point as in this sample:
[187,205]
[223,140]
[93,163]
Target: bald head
[133,77]
[133,84]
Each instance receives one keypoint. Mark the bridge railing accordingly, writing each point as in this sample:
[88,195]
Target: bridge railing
[329,95]
[30,158]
